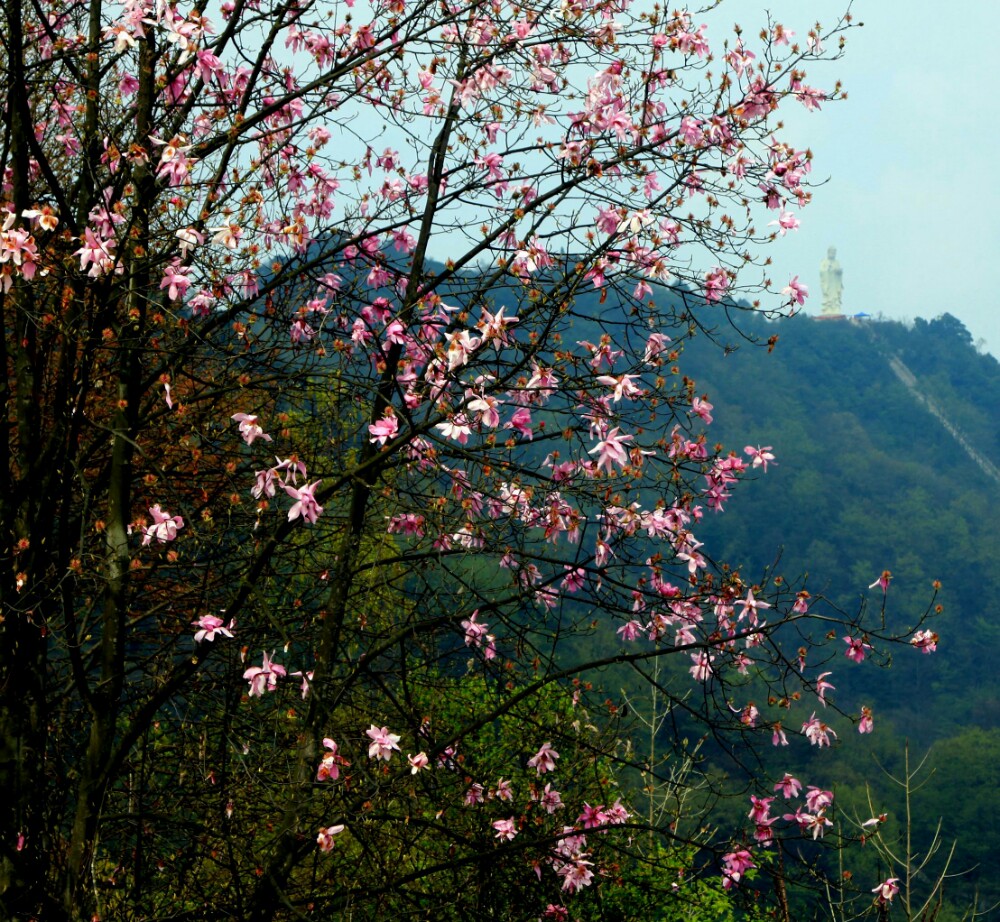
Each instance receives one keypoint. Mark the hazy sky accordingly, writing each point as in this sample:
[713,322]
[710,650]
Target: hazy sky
[905,162]
[910,204]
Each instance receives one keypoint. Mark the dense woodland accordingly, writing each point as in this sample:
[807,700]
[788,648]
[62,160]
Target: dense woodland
[868,479]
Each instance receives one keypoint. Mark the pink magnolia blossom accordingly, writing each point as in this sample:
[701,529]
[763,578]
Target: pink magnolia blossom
[780,35]
[43,217]
[692,42]
[384,429]
[456,428]
[264,484]
[602,354]
[592,817]
[702,670]
[486,407]
[477,635]
[701,407]
[129,84]
[574,580]
[789,786]
[576,874]
[265,677]
[925,641]
[655,345]
[570,843]
[329,766]
[549,799]
[856,647]
[786,222]
[460,346]
[305,685]
[406,523]
[544,760]
[326,836]
[866,724]
[815,823]
[249,428]
[542,384]
[883,581]
[174,164]
[300,331]
[735,865]
[520,422]
[817,799]
[750,606]
[621,386]
[201,304]
[505,829]
[759,457]
[495,327]
[886,890]
[630,630]
[395,333]
[292,465]
[795,291]
[97,253]
[642,289]
[764,832]
[164,527]
[209,626]
[418,762]
[305,502]
[817,732]
[822,686]
[17,248]
[740,58]
[227,235]
[617,814]
[716,284]
[610,450]
[382,743]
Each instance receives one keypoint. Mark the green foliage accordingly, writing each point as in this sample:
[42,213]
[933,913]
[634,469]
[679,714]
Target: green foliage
[868,479]
[654,887]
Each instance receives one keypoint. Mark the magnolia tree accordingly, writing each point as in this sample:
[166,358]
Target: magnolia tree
[316,549]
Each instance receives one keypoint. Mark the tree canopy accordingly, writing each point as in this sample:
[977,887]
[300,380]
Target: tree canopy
[304,531]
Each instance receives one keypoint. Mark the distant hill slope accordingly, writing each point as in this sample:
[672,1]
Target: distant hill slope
[881,470]
[871,476]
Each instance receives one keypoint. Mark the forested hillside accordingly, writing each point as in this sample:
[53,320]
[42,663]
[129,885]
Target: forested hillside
[868,479]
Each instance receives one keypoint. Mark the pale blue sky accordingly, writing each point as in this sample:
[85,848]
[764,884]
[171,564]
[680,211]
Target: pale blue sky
[907,162]
[912,203]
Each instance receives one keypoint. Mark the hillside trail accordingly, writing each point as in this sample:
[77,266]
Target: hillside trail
[910,382]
